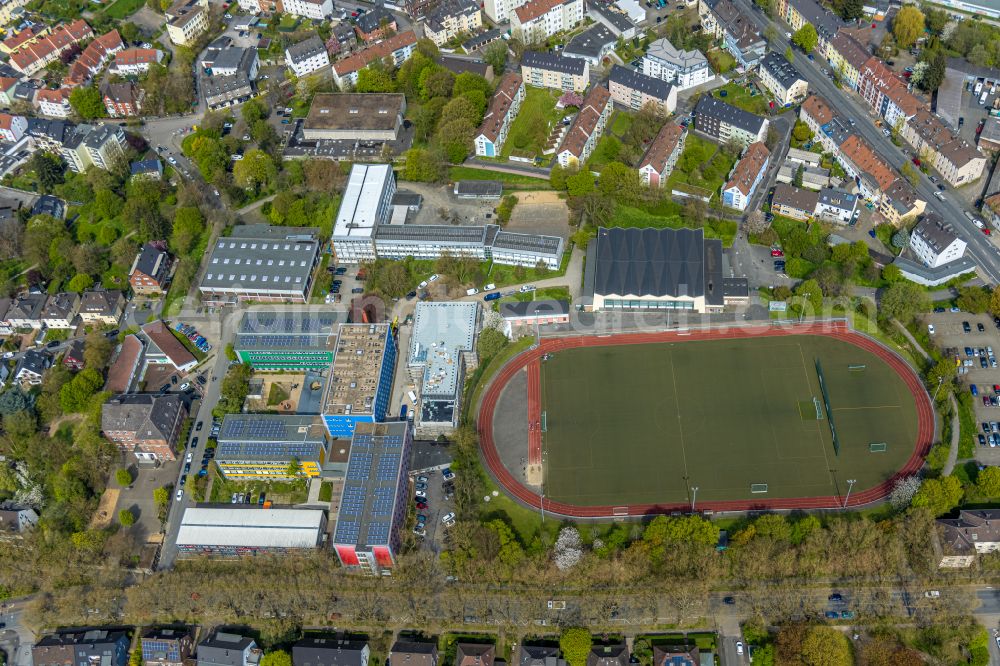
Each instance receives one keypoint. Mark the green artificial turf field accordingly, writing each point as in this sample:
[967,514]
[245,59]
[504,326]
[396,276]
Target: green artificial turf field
[626,424]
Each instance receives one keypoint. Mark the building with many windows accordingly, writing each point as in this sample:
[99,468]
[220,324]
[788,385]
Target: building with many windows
[587,128]
[366,204]
[288,340]
[307,56]
[935,242]
[746,176]
[355,117]
[397,49]
[318,10]
[374,499]
[593,45]
[793,202]
[146,424]
[451,18]
[504,105]
[537,20]
[543,69]
[662,155]
[82,647]
[723,122]
[360,379]
[739,33]
[239,530]
[685,69]
[635,90]
[264,446]
[258,262]
[487,243]
[101,146]
[782,79]
[442,350]
[186,20]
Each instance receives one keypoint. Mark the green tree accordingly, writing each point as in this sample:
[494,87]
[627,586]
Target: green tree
[933,77]
[126,518]
[974,299]
[580,184]
[907,26]
[491,342]
[891,273]
[941,373]
[422,166]
[187,228]
[939,495]
[495,54]
[97,350]
[812,295]
[826,646]
[575,643]
[903,301]
[123,477]
[664,530]
[276,658]
[255,171]
[851,10]
[234,389]
[619,182]
[557,177]
[806,38]
[294,467]
[374,80]
[789,54]
[75,395]
[801,132]
[87,102]
[910,173]
[48,168]
[161,497]
[135,658]
[80,283]
[436,82]
[252,111]
[988,482]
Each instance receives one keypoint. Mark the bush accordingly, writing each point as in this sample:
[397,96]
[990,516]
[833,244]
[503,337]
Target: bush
[123,477]
[126,518]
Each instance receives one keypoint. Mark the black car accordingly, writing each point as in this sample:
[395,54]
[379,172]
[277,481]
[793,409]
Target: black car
[112,334]
[410,296]
[941,187]
[729,601]
[836,596]
[53,344]
[966,327]
[197,427]
[247,499]
[187,467]
[201,380]
[338,282]
[980,328]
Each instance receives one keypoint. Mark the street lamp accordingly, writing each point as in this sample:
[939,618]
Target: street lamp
[850,487]
[940,382]
[694,495]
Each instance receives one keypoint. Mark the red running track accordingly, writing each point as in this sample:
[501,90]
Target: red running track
[836,330]
[534,411]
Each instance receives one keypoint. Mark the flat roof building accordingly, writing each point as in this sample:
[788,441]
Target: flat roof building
[360,379]
[374,500]
[367,203]
[442,349]
[235,531]
[355,116]
[263,446]
[288,340]
[258,262]
[488,243]
[593,44]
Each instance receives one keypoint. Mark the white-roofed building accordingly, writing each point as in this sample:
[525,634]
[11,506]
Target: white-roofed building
[442,348]
[367,203]
[235,531]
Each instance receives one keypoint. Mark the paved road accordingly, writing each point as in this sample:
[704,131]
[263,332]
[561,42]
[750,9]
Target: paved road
[980,248]
[16,638]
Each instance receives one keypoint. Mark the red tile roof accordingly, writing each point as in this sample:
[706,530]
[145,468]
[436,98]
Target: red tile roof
[861,154]
[890,85]
[531,10]
[14,43]
[500,105]
[817,108]
[133,57]
[93,58]
[162,337]
[61,39]
[586,121]
[662,147]
[382,49]
[59,96]
[748,167]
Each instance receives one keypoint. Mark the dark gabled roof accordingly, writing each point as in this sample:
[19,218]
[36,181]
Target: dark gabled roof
[783,71]
[716,108]
[146,262]
[329,652]
[539,655]
[36,362]
[543,308]
[591,42]
[409,653]
[224,649]
[634,80]
[615,654]
[372,20]
[305,49]
[650,262]
[553,62]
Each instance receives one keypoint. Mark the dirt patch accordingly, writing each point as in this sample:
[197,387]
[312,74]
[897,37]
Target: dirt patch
[105,510]
[280,394]
[540,213]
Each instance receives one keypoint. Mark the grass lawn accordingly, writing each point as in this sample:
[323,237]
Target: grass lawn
[742,98]
[543,294]
[530,130]
[724,414]
[502,275]
[123,8]
[326,491]
[702,165]
[276,394]
[721,60]
[469,173]
[626,216]
[621,122]
[279,492]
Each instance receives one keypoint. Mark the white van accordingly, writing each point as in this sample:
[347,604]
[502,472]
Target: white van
[412,396]
[489,287]
[471,292]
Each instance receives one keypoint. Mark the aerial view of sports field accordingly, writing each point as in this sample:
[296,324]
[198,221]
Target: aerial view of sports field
[636,422]
[643,423]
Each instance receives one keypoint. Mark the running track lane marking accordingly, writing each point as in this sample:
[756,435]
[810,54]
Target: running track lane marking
[836,330]
[534,412]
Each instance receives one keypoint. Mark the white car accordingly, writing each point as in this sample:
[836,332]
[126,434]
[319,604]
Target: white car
[172,160]
[189,457]
[433,277]
[215,192]
[930,329]
[448,517]
[422,285]
[526,288]
[932,594]
[489,287]
[940,197]
[186,385]
[471,292]
[422,494]
[447,474]
[180,494]
[739,647]
[8,354]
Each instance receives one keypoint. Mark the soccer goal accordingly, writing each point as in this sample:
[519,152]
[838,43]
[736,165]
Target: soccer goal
[819,408]
[856,368]
[757,488]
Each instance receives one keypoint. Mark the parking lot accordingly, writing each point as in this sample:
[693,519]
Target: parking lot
[975,341]
[439,506]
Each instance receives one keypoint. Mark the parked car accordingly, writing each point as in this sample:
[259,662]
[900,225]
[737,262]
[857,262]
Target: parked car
[966,327]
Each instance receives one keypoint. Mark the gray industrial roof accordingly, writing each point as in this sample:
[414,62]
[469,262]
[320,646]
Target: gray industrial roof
[251,527]
[650,262]
[273,258]
[441,332]
[620,21]
[438,233]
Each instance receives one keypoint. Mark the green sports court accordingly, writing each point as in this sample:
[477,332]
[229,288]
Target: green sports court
[740,419]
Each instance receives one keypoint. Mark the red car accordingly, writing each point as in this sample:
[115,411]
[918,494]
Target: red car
[421,505]
[777,253]
[916,160]
[986,231]
[996,388]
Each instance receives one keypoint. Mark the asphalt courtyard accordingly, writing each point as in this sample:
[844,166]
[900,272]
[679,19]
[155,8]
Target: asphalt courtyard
[633,422]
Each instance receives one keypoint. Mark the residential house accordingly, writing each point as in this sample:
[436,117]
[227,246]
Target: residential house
[321,651]
[538,655]
[31,367]
[782,79]
[318,10]
[537,20]
[102,146]
[375,24]
[11,10]
[60,310]
[7,85]
[397,48]
[227,649]
[593,45]
[122,100]
[126,364]
[149,271]
[958,161]
[586,129]
[935,242]
[610,653]
[232,60]
[102,307]
[90,63]
[167,646]
[739,34]
[26,311]
[307,56]
[15,519]
[146,424]
[973,532]
[504,106]
[847,58]
[82,647]
[746,176]
[483,39]
[793,202]
[475,654]
[135,61]
[991,211]
[342,40]
[73,356]
[152,169]
[53,103]
[617,22]
[5,327]
[12,128]
[409,653]
[186,21]
[164,347]
[886,93]
[676,655]
[635,90]
[662,155]
[458,65]
[452,18]
[872,174]
[224,91]
[20,38]
[543,69]
[900,203]
[835,205]
[685,69]
[797,13]
[723,122]
[33,56]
